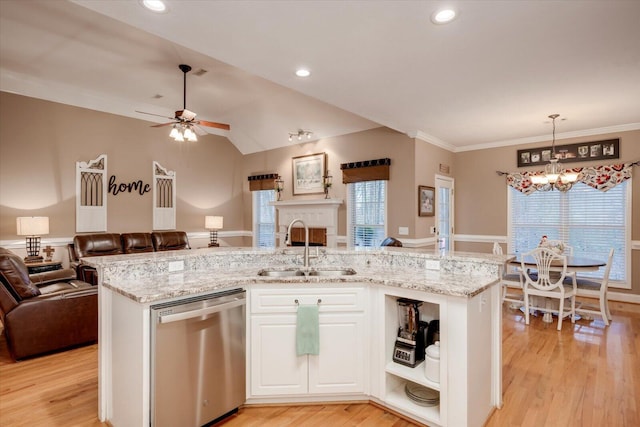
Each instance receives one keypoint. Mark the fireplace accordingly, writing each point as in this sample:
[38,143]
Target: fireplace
[320,216]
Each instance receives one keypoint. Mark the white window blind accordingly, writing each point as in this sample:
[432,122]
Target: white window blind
[589,220]
[367,212]
[264,223]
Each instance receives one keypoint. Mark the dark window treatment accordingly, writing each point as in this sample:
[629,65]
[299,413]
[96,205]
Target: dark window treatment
[367,170]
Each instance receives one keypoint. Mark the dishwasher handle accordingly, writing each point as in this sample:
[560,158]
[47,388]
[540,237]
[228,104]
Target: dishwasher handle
[168,318]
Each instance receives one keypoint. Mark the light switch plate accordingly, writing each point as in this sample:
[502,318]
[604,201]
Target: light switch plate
[403,231]
[176,266]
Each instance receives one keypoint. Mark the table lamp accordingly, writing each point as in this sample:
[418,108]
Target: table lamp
[32,227]
[213,223]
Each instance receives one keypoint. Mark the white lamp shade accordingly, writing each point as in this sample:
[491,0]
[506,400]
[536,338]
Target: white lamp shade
[213,222]
[32,225]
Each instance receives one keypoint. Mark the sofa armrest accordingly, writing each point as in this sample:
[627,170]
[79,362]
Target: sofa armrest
[52,322]
[87,274]
[47,277]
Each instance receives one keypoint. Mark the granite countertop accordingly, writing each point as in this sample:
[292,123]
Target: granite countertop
[158,286]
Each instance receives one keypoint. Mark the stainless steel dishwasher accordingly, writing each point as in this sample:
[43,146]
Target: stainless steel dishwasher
[197,359]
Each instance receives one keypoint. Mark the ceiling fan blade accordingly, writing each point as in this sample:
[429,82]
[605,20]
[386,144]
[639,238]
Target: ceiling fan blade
[152,114]
[197,129]
[213,124]
[163,124]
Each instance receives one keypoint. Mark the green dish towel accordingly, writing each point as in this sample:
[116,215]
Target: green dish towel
[308,330]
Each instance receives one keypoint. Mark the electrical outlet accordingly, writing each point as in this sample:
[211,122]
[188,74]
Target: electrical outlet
[403,231]
[176,266]
[432,264]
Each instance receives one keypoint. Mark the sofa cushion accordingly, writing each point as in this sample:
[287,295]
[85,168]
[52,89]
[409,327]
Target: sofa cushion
[133,243]
[98,244]
[16,276]
[169,240]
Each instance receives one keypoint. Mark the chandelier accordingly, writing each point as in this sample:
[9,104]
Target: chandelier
[554,176]
[183,132]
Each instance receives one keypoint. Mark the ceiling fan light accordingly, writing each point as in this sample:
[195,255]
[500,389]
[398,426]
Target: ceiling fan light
[174,132]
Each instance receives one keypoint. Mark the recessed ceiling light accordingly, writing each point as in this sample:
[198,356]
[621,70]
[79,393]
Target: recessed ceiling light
[303,72]
[443,16]
[155,5]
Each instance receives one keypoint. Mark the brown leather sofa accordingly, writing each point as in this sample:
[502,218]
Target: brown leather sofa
[44,312]
[98,244]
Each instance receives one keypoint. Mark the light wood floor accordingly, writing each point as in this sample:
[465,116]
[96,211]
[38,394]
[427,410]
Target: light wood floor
[585,375]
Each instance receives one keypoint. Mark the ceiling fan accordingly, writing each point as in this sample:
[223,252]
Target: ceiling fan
[185,124]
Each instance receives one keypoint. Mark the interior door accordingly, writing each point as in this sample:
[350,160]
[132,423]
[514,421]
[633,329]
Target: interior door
[444,210]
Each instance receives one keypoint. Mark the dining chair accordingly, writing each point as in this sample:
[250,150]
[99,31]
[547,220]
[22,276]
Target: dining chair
[509,281]
[551,269]
[595,289]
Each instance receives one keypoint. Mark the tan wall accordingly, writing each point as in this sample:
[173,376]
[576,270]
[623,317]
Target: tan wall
[481,195]
[367,145]
[41,141]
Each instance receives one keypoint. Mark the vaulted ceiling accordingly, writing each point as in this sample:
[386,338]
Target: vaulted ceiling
[489,78]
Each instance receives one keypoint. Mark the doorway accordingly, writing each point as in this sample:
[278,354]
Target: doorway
[444,211]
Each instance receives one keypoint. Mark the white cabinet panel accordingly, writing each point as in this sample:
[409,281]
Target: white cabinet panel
[275,367]
[341,365]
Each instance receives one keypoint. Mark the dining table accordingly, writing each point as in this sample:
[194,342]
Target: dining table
[574,265]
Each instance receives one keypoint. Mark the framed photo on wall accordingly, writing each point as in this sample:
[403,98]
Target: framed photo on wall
[581,152]
[308,172]
[426,200]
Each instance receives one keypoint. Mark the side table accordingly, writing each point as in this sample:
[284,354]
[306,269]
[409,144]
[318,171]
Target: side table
[41,267]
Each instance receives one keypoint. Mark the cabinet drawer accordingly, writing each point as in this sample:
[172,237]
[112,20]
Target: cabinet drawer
[331,299]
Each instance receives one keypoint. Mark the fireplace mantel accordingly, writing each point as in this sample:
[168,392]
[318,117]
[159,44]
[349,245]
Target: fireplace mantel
[316,213]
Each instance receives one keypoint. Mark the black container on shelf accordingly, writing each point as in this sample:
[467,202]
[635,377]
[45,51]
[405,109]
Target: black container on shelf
[433,332]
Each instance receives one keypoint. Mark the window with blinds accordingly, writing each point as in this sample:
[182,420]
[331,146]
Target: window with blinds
[264,218]
[367,213]
[589,220]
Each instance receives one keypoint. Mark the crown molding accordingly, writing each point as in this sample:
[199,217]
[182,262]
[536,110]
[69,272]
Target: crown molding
[566,135]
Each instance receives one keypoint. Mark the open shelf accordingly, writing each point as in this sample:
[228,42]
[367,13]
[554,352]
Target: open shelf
[415,374]
[398,398]
[396,375]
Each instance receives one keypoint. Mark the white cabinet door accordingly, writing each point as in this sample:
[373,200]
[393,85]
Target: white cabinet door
[275,367]
[343,360]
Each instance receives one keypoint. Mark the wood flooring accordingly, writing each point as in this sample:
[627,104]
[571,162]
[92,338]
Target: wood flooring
[586,375]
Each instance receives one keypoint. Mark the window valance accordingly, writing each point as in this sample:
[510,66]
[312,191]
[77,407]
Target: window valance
[601,178]
[262,182]
[367,170]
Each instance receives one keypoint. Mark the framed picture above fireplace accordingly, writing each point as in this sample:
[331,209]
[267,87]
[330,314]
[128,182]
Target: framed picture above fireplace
[308,172]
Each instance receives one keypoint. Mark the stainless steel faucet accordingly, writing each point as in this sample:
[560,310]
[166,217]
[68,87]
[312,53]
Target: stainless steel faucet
[287,239]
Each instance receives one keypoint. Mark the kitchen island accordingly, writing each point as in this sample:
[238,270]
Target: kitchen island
[358,323]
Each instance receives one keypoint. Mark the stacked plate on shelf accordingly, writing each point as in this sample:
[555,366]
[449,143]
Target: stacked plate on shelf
[421,395]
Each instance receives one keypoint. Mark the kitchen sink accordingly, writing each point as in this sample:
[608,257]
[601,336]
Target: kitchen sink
[333,272]
[281,273]
[316,273]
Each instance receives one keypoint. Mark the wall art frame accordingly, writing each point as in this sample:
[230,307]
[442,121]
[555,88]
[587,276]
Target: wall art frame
[426,200]
[580,152]
[308,172]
